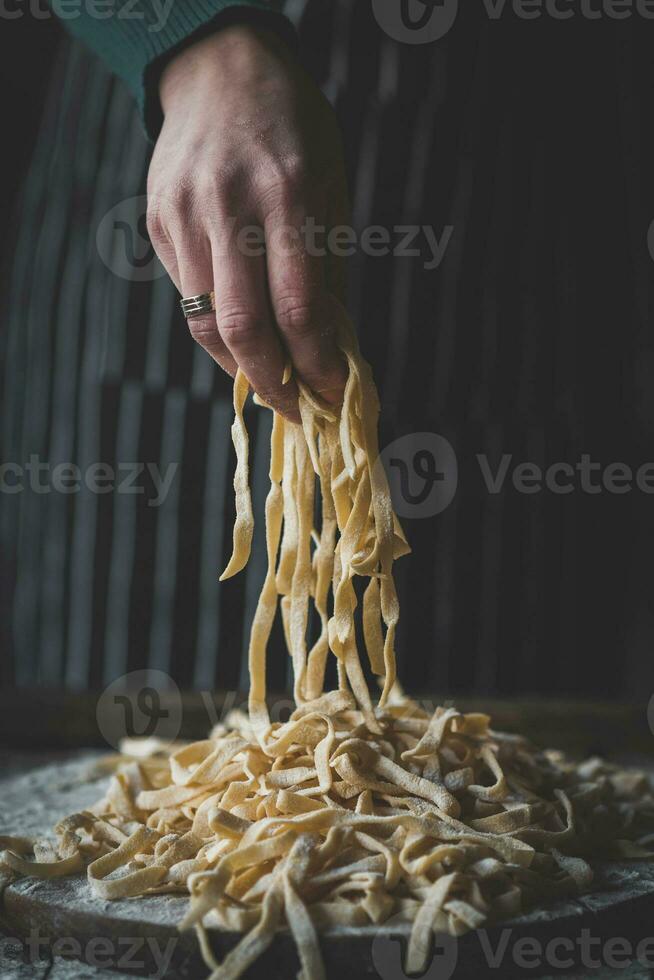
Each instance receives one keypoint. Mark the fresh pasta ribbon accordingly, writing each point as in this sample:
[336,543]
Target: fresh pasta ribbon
[244,525]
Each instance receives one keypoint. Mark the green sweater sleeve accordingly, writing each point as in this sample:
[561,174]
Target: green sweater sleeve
[136,37]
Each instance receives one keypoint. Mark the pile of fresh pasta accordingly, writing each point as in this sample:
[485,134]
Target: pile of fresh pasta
[353,811]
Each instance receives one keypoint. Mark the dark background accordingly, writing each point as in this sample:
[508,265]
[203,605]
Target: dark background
[533,139]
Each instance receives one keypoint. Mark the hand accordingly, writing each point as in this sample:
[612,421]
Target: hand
[249,142]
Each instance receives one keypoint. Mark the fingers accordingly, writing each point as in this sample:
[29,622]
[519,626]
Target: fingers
[269,307]
[186,256]
[196,275]
[306,311]
[241,332]
[245,324]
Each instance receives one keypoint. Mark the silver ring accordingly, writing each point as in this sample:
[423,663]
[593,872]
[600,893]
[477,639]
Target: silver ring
[198,305]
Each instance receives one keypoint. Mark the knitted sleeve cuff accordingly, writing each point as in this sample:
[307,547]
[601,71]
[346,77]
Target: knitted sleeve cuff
[137,37]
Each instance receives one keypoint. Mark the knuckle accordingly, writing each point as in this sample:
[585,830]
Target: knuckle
[240,326]
[155,224]
[203,331]
[281,181]
[297,315]
[166,204]
[217,188]
[294,170]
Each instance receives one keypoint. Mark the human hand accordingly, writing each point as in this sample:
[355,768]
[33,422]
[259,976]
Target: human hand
[249,142]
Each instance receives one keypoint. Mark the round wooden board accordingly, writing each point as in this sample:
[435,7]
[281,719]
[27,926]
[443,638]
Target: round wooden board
[140,935]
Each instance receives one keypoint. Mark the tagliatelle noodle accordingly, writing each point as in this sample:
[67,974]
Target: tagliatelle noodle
[244,525]
[351,812]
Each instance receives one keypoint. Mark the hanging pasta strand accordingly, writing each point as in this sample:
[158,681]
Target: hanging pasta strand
[244,524]
[301,582]
[266,610]
[323,570]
